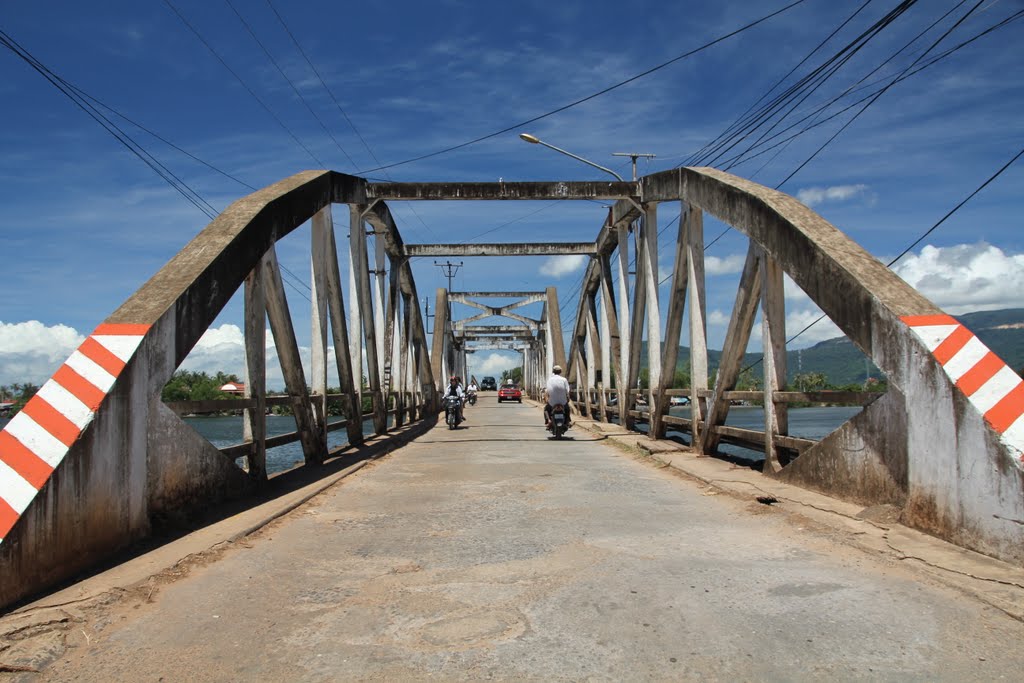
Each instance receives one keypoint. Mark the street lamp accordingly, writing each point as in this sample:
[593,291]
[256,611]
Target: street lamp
[534,140]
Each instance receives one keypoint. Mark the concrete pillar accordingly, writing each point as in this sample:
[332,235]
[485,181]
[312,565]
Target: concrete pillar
[291,362]
[736,337]
[254,421]
[694,228]
[773,324]
[319,245]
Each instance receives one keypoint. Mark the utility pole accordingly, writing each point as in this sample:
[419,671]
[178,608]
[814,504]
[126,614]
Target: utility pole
[449,269]
[634,156]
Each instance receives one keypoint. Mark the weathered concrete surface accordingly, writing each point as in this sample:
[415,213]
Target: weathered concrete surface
[957,479]
[490,552]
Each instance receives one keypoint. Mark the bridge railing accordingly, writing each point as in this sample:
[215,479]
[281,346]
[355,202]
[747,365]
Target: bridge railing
[944,443]
[96,456]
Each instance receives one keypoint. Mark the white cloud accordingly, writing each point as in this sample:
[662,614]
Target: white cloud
[717,317]
[966,277]
[812,196]
[493,364]
[559,266]
[30,352]
[723,266]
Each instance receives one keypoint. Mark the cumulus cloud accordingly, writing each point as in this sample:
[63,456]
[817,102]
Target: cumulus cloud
[796,320]
[723,266]
[813,196]
[30,351]
[966,277]
[560,266]
[492,364]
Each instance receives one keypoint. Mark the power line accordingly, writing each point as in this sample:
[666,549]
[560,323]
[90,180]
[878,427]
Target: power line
[290,82]
[157,136]
[82,101]
[593,95]
[878,95]
[742,158]
[918,240]
[120,135]
[344,114]
[256,97]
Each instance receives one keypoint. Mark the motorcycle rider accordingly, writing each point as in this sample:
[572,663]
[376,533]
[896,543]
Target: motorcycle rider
[455,389]
[471,390]
[556,392]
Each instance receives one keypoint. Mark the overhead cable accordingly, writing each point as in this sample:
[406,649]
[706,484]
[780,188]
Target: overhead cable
[593,95]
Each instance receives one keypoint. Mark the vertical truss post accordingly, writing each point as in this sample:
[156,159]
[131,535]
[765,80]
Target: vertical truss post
[694,227]
[355,320]
[596,369]
[636,326]
[381,304]
[623,371]
[605,379]
[676,307]
[342,345]
[392,333]
[254,421]
[773,322]
[407,402]
[291,362]
[555,326]
[319,244]
[437,356]
[611,319]
[736,337]
[357,239]
[649,253]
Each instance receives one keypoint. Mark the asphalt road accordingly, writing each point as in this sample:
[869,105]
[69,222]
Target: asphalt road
[490,552]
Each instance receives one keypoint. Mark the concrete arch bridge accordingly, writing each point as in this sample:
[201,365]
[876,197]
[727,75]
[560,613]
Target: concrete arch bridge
[96,456]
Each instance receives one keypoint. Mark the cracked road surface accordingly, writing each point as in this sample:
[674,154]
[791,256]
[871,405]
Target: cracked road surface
[490,552]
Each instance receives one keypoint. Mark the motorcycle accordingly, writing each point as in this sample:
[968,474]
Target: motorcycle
[471,398]
[559,420]
[451,411]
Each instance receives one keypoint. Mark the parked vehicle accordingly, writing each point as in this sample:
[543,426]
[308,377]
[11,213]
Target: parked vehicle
[510,392]
[559,420]
[451,411]
[488,384]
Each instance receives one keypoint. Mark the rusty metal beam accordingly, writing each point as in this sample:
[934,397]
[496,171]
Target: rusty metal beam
[516,191]
[501,249]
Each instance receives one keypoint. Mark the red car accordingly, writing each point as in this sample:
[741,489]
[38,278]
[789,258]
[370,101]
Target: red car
[510,393]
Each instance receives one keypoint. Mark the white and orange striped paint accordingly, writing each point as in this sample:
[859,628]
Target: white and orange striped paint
[36,440]
[988,383]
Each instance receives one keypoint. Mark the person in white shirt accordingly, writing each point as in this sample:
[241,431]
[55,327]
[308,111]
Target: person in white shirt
[455,389]
[556,392]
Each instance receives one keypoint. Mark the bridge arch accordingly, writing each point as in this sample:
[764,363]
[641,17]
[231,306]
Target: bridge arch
[944,444]
[96,456]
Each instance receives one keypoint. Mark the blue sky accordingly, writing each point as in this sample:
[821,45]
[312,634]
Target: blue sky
[85,223]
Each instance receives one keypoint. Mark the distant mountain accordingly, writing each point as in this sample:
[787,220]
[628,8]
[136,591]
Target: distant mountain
[838,359]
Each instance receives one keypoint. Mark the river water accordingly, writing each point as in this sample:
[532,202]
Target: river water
[808,423]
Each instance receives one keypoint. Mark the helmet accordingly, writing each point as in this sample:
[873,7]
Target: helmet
[557,369]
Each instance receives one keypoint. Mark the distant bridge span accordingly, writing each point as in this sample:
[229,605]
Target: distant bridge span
[96,456]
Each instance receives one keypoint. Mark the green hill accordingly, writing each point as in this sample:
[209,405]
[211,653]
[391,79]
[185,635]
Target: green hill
[838,359]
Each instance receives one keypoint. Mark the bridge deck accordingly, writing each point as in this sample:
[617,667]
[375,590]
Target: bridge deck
[493,552]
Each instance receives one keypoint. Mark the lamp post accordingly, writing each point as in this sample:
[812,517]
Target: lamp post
[534,140]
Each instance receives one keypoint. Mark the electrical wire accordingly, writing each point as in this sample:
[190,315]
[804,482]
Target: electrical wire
[256,97]
[593,95]
[113,129]
[290,82]
[341,109]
